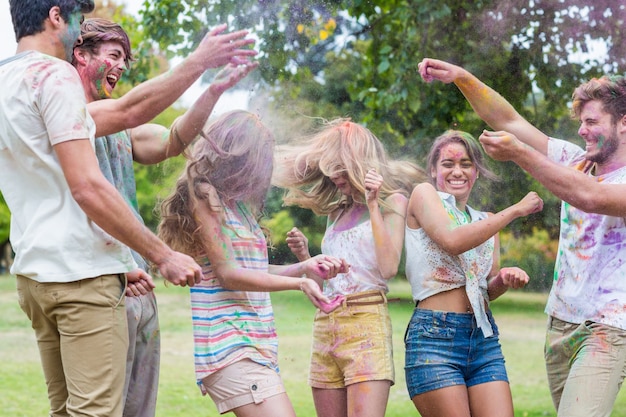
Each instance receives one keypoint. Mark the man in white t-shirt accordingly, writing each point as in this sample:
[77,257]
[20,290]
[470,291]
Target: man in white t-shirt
[586,338]
[70,228]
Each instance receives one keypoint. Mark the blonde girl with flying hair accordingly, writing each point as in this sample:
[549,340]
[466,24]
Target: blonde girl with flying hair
[343,172]
[212,215]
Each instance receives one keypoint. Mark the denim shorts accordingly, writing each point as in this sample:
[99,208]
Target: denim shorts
[445,349]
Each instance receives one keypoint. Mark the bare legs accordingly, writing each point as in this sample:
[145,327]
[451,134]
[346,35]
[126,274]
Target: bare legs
[276,405]
[364,399]
[492,399]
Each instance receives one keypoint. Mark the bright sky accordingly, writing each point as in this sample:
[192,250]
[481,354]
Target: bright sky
[229,101]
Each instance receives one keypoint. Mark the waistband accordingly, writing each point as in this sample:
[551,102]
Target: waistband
[365,298]
[441,318]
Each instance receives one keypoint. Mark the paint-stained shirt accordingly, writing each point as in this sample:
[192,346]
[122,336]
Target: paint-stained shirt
[431,270]
[356,246]
[115,157]
[229,325]
[590,272]
[42,104]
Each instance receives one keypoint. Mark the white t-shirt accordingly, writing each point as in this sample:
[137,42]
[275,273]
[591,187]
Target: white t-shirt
[590,272]
[42,103]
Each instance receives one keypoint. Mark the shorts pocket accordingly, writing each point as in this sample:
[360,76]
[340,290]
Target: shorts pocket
[428,343]
[429,330]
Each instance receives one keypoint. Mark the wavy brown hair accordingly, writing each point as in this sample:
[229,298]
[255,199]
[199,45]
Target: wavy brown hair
[340,146]
[609,90]
[235,156]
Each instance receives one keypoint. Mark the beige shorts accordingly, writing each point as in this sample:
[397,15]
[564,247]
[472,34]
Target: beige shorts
[242,383]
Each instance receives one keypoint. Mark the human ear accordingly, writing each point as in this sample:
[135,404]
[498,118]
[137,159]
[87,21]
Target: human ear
[54,15]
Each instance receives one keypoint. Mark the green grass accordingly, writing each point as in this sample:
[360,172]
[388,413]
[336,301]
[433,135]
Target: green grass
[519,315]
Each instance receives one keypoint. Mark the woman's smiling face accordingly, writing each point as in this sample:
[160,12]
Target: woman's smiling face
[454,172]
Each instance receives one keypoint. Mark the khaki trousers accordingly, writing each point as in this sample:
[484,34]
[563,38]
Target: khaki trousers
[82,336]
[586,364]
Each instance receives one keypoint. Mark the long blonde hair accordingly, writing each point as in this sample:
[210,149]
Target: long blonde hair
[340,146]
[235,156]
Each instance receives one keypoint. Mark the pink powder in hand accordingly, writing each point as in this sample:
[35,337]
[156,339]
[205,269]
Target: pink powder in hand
[332,305]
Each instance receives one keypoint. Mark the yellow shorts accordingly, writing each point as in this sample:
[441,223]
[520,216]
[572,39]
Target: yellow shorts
[242,383]
[352,344]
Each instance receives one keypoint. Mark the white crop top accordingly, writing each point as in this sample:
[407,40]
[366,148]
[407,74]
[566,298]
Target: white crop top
[431,270]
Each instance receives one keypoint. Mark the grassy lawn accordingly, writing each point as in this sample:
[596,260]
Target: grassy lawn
[519,315]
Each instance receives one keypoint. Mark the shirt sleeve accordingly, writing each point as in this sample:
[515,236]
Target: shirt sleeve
[62,103]
[565,153]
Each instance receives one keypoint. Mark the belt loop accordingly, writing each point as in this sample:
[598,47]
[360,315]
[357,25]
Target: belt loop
[382,294]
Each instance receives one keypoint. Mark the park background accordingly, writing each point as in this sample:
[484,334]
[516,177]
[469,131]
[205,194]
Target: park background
[358,59]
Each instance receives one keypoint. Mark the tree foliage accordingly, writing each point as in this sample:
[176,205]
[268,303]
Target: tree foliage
[330,58]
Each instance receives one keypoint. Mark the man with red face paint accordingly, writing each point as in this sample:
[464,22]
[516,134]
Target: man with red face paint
[585,349]
[101,58]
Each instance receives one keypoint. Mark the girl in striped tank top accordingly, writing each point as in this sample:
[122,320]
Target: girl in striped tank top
[212,215]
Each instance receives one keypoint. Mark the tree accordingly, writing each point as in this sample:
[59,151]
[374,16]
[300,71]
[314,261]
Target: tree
[512,43]
[359,58]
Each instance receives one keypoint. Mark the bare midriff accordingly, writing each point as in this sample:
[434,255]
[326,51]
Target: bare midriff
[455,301]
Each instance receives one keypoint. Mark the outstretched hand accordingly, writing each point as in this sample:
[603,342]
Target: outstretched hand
[514,277]
[434,69]
[230,75]
[501,145]
[218,49]
[323,267]
[531,203]
[313,291]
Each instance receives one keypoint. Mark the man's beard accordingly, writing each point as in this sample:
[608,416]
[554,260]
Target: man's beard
[606,148]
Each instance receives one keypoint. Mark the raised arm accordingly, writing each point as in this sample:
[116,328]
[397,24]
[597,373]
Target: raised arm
[105,206]
[426,210]
[154,143]
[147,100]
[568,184]
[486,102]
[387,226]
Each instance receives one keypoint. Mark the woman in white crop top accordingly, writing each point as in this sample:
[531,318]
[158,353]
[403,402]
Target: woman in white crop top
[454,363]
[342,171]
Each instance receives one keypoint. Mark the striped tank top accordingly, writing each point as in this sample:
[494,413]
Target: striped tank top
[228,325]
